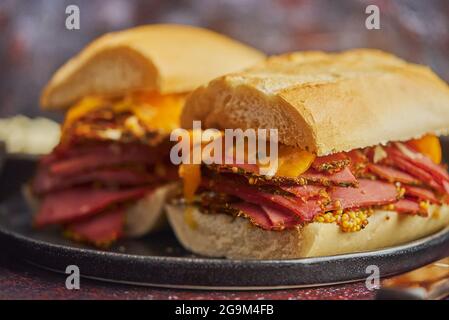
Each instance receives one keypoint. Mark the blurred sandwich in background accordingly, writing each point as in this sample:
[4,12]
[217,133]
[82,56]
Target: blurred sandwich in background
[110,174]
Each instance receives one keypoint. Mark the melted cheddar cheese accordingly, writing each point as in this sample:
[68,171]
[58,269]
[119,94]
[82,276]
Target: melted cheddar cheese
[83,107]
[430,146]
[191,175]
[293,162]
[152,111]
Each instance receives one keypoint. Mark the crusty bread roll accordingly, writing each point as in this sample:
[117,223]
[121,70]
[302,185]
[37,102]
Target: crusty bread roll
[166,59]
[147,215]
[327,103]
[324,103]
[222,235]
[163,58]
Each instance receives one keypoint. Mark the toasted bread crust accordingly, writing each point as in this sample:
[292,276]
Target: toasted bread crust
[221,235]
[163,58]
[327,103]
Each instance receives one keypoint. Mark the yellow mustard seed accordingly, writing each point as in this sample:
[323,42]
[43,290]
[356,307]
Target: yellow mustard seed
[349,221]
[338,203]
[424,205]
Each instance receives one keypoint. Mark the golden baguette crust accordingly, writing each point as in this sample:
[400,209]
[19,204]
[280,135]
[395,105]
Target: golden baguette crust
[163,58]
[327,103]
[221,235]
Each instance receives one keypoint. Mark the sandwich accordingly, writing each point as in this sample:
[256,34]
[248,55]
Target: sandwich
[110,174]
[359,158]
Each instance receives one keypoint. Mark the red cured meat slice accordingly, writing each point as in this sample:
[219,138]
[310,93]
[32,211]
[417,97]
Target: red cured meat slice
[102,157]
[280,219]
[101,229]
[356,156]
[304,192]
[368,193]
[426,164]
[341,177]
[335,162]
[255,214]
[77,203]
[45,182]
[420,193]
[407,206]
[266,217]
[397,159]
[293,205]
[391,174]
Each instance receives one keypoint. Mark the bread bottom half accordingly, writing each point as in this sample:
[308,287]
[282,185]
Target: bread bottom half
[147,215]
[221,235]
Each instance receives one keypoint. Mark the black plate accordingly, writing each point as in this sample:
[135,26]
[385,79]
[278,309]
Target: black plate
[159,260]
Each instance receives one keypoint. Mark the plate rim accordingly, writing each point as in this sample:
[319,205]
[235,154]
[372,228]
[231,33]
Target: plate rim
[210,260]
[440,236]
[208,273]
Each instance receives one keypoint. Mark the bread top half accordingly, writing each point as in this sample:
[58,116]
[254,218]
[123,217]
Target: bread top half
[168,59]
[327,102]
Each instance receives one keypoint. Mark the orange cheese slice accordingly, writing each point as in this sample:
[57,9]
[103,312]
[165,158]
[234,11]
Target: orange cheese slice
[293,161]
[154,111]
[428,145]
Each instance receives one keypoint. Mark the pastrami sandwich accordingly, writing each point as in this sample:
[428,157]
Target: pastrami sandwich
[111,174]
[359,158]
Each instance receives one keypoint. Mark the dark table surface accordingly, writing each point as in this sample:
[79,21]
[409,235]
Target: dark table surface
[19,280]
